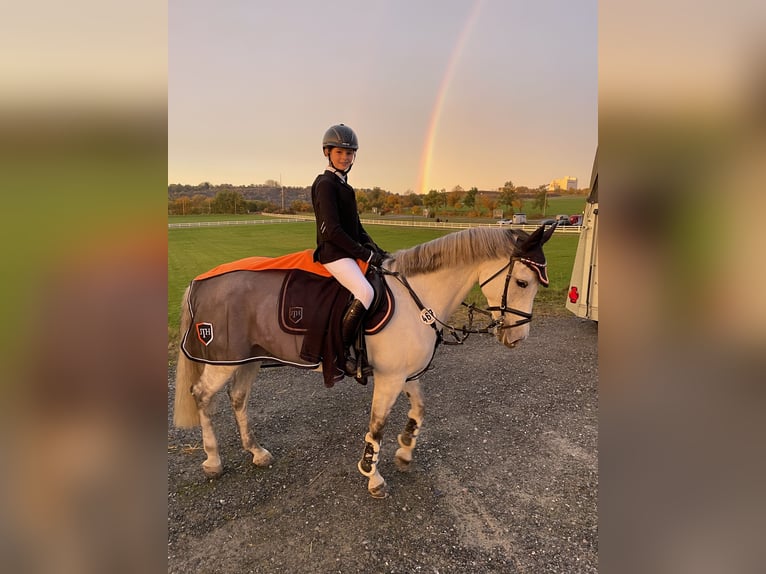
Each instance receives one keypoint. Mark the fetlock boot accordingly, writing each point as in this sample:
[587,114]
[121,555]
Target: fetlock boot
[352,321]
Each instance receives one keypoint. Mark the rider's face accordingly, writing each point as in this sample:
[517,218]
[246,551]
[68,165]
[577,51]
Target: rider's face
[342,158]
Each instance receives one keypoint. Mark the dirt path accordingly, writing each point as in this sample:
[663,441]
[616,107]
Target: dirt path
[505,475]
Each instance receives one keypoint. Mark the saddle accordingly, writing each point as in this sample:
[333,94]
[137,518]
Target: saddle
[313,306]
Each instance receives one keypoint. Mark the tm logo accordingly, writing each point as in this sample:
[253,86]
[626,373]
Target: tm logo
[296,314]
[205,333]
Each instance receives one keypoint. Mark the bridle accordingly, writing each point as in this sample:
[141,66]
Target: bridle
[504,308]
[460,334]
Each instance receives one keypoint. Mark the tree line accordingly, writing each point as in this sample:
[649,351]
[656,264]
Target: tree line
[270,197]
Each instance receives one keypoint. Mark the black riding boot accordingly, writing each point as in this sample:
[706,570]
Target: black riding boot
[352,320]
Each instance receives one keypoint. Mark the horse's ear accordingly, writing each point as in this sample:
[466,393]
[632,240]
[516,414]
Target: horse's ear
[538,237]
[549,233]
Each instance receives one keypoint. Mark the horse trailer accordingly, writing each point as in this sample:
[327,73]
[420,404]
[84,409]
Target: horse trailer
[582,297]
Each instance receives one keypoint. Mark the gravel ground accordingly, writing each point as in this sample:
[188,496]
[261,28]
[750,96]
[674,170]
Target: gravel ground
[505,475]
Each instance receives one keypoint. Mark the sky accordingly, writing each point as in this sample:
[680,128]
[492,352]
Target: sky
[440,93]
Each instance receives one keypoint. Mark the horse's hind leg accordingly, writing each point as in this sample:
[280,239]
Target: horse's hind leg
[408,437]
[210,382]
[239,392]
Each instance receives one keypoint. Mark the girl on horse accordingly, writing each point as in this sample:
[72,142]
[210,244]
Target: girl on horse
[341,239]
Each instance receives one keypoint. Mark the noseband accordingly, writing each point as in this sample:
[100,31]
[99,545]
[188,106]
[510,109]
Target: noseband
[504,308]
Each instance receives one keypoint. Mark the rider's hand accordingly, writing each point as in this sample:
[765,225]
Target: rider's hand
[372,246]
[376,259]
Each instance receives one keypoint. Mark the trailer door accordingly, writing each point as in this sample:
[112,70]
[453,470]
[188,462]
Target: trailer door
[582,297]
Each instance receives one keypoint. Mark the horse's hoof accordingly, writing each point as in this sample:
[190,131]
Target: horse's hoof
[212,471]
[262,458]
[379,491]
[402,465]
[403,458]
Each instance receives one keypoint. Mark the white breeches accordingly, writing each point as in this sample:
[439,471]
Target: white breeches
[348,274]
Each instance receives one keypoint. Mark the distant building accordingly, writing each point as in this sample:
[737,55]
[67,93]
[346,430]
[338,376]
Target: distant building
[563,183]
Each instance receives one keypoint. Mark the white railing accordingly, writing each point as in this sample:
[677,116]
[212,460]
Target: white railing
[279,218]
[188,224]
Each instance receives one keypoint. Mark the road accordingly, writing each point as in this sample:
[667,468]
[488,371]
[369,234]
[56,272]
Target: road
[505,476]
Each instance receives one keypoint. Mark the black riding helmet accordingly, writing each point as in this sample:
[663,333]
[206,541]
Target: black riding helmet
[340,136]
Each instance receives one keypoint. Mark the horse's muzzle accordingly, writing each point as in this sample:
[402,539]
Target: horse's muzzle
[511,337]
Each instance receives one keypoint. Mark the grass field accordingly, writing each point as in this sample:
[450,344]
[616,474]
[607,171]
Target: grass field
[563,204]
[195,250]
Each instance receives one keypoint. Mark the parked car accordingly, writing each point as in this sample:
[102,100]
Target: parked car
[575,219]
[562,219]
[505,222]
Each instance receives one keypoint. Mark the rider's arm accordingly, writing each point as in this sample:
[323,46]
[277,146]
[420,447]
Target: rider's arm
[328,222]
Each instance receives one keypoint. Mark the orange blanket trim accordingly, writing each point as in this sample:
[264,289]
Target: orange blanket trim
[301,260]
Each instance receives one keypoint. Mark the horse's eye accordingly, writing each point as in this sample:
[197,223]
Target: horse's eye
[521,283]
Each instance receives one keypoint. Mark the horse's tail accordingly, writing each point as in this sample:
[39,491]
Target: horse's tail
[185,413]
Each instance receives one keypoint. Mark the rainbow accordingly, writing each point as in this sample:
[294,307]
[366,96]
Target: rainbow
[428,147]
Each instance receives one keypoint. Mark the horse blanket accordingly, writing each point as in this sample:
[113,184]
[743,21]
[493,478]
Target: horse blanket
[308,303]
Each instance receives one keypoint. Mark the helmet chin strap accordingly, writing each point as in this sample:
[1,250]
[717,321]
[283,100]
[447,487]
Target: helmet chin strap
[335,169]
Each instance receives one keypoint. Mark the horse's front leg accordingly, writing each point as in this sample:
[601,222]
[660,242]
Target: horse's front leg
[239,392]
[384,396]
[408,437]
[213,378]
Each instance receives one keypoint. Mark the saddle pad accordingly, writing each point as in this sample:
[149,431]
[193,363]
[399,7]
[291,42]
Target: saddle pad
[382,314]
[306,303]
[306,300]
[312,306]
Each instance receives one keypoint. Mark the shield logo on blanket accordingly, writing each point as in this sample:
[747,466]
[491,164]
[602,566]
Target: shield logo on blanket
[296,314]
[205,333]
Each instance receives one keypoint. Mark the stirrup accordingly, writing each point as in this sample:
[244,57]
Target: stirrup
[358,368]
[350,366]
[353,368]
[362,375]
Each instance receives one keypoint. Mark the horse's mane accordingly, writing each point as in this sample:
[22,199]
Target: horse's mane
[467,246]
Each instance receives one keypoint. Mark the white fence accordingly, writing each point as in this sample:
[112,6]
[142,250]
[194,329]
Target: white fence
[228,223]
[277,218]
